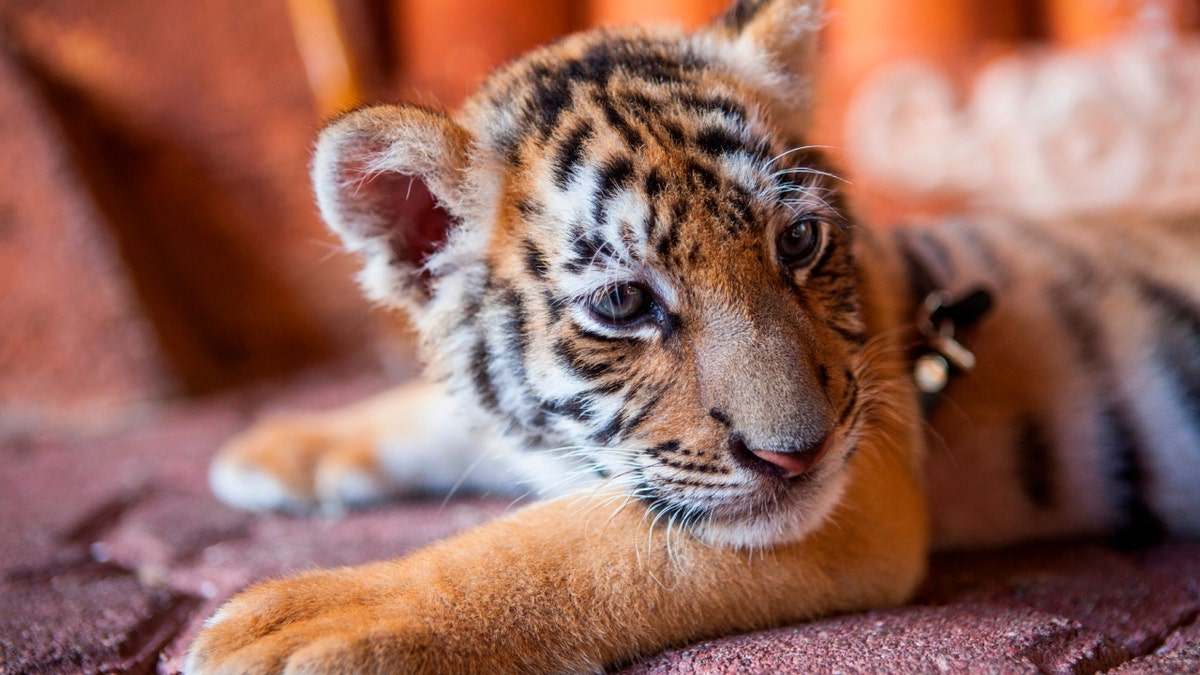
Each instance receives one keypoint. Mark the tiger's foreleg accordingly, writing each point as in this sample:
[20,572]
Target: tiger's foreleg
[574,584]
[406,440]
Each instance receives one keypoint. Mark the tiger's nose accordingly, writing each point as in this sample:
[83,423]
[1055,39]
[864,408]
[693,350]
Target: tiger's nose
[777,463]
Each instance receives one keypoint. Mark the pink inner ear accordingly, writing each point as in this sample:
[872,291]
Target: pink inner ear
[418,224]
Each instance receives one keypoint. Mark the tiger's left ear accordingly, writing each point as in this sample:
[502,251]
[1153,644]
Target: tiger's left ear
[777,39]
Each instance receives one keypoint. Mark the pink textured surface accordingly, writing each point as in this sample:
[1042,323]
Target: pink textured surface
[112,552]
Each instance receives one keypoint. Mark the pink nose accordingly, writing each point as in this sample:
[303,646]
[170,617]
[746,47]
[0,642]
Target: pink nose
[792,463]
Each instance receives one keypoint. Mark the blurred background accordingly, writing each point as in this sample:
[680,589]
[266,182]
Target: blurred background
[158,240]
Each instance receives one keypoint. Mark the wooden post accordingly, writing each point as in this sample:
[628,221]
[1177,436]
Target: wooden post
[327,63]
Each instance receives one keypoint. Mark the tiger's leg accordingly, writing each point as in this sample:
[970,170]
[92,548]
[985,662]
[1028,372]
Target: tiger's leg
[574,584]
[405,440]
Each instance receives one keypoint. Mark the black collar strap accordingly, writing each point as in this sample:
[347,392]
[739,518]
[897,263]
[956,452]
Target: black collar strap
[940,355]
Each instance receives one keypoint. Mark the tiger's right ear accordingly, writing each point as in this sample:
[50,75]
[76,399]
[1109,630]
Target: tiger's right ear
[389,182]
[783,36]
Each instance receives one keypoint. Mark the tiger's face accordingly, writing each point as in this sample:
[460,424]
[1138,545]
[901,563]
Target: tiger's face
[621,252]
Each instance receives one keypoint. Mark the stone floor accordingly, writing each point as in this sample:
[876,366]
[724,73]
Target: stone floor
[112,552]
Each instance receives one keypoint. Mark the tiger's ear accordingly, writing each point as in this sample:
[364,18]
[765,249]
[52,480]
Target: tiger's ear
[779,39]
[388,181]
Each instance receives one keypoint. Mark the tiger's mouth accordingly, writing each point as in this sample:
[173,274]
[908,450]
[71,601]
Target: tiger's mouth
[766,498]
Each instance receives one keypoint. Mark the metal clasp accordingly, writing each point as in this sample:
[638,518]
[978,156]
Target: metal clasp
[931,372]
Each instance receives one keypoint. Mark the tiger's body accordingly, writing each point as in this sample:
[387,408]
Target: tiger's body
[645,290]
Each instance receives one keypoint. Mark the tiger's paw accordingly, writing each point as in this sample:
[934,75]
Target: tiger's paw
[322,622]
[297,464]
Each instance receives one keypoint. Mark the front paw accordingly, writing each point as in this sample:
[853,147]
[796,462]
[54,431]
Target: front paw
[297,464]
[322,622]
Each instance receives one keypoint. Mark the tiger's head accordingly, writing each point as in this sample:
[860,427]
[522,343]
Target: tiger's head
[622,250]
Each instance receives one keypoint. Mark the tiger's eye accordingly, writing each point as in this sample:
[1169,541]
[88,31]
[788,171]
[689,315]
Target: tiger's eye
[620,303]
[798,243]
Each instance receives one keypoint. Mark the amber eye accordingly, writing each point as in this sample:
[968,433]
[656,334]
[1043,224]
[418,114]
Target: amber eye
[620,303]
[797,244]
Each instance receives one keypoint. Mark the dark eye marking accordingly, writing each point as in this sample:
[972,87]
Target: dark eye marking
[796,245]
[620,304]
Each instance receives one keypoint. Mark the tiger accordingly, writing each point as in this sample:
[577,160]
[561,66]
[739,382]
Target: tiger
[639,289]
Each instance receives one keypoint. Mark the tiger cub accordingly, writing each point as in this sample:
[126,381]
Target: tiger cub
[644,290]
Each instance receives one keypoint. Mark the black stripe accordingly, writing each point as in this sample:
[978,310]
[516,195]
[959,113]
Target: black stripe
[641,103]
[517,334]
[669,447]
[644,59]
[742,204]
[569,153]
[853,335]
[603,389]
[653,184]
[1127,474]
[485,389]
[608,432]
[535,261]
[573,361]
[617,173]
[1081,327]
[550,96]
[668,241]
[632,136]
[720,417]
[529,208]
[823,376]
[851,402]
[574,408]
[1141,525]
[588,334]
[554,305]
[843,297]
[1074,264]
[698,104]
[938,252]
[703,176]
[642,414]
[1178,345]
[587,250]
[984,251]
[928,262]
[1035,461]
[645,492]
[675,133]
[717,141]
[689,466]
